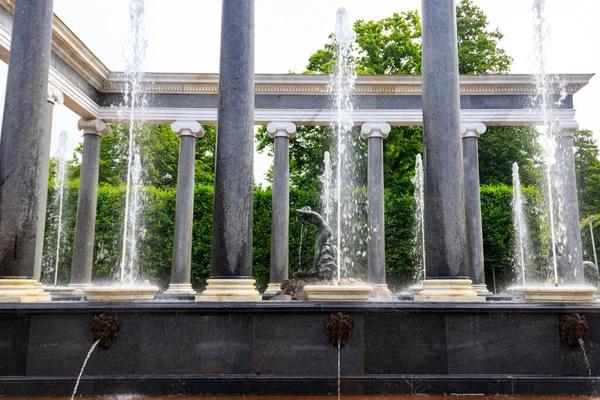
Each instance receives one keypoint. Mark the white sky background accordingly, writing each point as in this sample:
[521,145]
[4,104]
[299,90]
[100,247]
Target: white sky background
[183,36]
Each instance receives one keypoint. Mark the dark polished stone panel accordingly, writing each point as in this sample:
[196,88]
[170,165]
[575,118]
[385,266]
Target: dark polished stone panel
[14,338]
[197,344]
[297,345]
[405,344]
[502,344]
[58,346]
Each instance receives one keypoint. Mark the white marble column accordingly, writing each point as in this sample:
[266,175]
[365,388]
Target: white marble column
[181,269]
[471,131]
[85,224]
[375,132]
[281,132]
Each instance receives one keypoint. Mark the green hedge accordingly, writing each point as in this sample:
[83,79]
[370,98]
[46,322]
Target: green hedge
[158,224]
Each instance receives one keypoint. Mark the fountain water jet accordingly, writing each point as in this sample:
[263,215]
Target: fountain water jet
[522,246]
[561,201]
[339,191]
[134,106]
[418,227]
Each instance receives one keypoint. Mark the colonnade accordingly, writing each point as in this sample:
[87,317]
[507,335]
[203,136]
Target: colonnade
[454,240]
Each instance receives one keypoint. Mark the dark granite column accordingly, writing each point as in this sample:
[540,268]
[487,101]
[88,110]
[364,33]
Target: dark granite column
[375,132]
[231,260]
[445,233]
[24,157]
[570,261]
[187,131]
[442,150]
[281,132]
[470,136]
[85,224]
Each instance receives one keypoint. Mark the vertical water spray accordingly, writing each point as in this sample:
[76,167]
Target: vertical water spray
[327,194]
[419,220]
[134,102]
[545,102]
[59,191]
[519,225]
[341,86]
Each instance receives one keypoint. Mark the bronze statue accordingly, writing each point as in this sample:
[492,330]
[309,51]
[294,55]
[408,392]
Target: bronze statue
[326,255]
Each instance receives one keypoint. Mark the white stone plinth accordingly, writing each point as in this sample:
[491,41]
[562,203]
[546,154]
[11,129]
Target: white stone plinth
[356,292]
[448,290]
[223,290]
[273,288]
[22,291]
[180,288]
[481,289]
[558,294]
[59,290]
[120,293]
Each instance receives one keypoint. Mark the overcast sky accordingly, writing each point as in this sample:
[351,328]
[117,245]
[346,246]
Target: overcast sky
[183,36]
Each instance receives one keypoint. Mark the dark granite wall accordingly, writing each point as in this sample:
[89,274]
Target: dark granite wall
[270,348]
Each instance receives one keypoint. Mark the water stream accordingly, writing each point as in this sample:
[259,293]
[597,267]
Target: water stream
[327,195]
[593,244]
[83,367]
[588,368]
[339,369]
[59,191]
[419,220]
[300,247]
[134,102]
[522,247]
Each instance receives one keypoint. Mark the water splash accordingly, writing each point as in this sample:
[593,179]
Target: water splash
[419,221]
[83,367]
[349,227]
[135,104]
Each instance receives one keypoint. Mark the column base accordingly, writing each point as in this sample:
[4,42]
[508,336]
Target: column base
[224,290]
[22,291]
[448,290]
[180,288]
[481,289]
[273,288]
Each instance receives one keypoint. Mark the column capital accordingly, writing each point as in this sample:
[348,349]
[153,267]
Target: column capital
[565,128]
[375,130]
[187,128]
[55,95]
[472,129]
[93,126]
[281,129]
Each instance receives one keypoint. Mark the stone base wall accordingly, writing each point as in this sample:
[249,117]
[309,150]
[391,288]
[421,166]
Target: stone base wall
[281,348]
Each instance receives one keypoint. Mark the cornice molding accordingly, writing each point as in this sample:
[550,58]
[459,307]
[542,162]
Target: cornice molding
[68,47]
[306,84]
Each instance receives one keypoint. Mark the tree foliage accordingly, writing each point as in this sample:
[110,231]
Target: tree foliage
[159,150]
